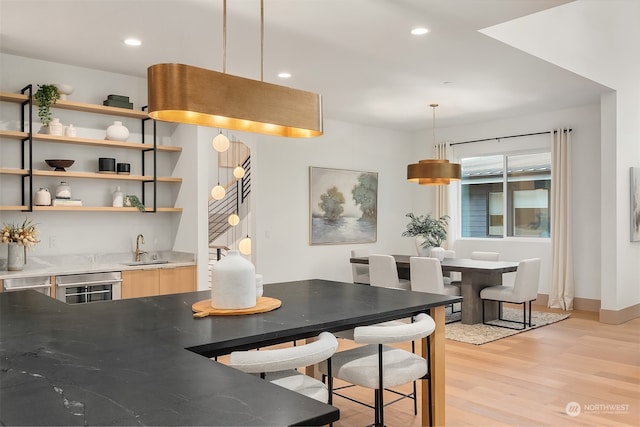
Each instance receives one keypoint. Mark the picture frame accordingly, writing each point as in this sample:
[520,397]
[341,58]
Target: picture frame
[343,206]
[634,174]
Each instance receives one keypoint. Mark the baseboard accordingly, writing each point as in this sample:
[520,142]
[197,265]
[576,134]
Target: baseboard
[616,317]
[611,317]
[582,304]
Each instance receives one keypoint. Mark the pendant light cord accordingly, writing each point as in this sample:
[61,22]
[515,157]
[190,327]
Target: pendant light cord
[224,36]
[261,40]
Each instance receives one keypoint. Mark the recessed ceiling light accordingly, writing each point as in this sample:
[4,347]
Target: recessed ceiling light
[132,42]
[284,75]
[418,31]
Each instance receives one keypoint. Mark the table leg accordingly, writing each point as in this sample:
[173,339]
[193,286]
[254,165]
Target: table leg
[472,284]
[436,370]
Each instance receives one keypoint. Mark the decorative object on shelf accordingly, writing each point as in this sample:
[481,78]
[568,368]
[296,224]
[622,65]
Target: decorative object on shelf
[119,101]
[428,231]
[433,171]
[63,191]
[55,127]
[42,197]
[131,200]
[634,175]
[233,284]
[185,94]
[60,164]
[117,132]
[46,96]
[64,90]
[118,198]
[19,237]
[70,131]
[124,168]
[106,165]
[259,285]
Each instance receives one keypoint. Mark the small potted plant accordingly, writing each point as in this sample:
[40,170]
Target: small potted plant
[429,232]
[46,96]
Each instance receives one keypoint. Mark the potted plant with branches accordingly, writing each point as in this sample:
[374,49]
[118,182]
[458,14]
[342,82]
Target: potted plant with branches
[46,96]
[429,232]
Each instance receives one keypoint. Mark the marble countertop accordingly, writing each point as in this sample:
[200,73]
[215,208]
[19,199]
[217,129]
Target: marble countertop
[93,263]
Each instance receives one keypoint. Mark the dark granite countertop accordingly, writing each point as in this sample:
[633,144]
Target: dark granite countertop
[128,362]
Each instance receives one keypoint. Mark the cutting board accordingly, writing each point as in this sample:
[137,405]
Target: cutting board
[263,304]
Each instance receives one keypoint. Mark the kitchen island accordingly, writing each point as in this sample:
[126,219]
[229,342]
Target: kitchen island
[145,361]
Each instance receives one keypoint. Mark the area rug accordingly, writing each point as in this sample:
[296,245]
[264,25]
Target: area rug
[479,334]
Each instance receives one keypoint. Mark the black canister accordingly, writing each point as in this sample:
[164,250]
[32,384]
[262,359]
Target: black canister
[106,165]
[124,168]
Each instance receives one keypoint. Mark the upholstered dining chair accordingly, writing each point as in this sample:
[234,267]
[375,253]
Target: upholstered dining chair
[523,291]
[279,365]
[384,273]
[360,272]
[485,256]
[426,276]
[378,366]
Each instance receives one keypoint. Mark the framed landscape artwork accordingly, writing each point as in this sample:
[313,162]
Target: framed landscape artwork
[343,206]
[635,204]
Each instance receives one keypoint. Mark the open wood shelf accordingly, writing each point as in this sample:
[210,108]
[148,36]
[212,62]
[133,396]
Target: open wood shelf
[94,175]
[101,209]
[79,106]
[87,141]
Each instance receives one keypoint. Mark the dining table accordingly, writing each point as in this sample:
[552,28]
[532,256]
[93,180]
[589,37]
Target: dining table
[476,275]
[150,361]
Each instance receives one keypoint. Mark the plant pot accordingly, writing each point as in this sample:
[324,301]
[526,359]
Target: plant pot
[420,249]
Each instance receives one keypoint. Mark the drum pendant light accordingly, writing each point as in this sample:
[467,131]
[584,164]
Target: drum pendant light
[433,171]
[186,94]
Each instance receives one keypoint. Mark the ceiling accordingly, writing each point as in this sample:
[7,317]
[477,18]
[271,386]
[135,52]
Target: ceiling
[358,54]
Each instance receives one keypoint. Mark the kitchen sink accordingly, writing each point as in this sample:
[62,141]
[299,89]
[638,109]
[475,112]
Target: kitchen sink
[150,262]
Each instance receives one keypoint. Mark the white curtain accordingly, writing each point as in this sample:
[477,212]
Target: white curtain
[441,151]
[562,286]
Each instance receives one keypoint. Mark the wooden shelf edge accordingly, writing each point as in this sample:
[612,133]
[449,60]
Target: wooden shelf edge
[13,208]
[11,171]
[96,175]
[80,106]
[87,141]
[100,209]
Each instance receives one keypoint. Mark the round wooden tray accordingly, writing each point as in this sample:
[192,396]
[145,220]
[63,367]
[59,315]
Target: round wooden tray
[263,304]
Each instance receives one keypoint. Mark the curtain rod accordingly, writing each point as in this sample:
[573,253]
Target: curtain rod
[506,137]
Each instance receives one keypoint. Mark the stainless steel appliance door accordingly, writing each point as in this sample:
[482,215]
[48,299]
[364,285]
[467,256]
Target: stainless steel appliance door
[89,287]
[40,283]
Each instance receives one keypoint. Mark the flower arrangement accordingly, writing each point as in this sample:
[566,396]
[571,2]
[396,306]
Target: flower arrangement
[24,234]
[434,230]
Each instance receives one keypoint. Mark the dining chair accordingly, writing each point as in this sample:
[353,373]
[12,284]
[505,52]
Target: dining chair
[360,272]
[426,276]
[279,366]
[523,291]
[378,366]
[383,272]
[485,256]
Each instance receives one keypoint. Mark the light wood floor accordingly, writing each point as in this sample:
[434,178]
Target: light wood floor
[530,378]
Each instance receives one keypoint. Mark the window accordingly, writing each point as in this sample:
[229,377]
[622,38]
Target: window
[523,212]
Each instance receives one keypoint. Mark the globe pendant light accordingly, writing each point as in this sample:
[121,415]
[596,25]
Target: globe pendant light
[233,220]
[220,143]
[218,192]
[245,246]
[433,171]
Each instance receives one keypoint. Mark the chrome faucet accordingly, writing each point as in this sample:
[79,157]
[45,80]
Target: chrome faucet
[139,239]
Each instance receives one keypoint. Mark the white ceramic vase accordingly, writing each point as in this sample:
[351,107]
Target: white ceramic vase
[420,249]
[117,132]
[56,128]
[259,285]
[43,197]
[15,256]
[233,284]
